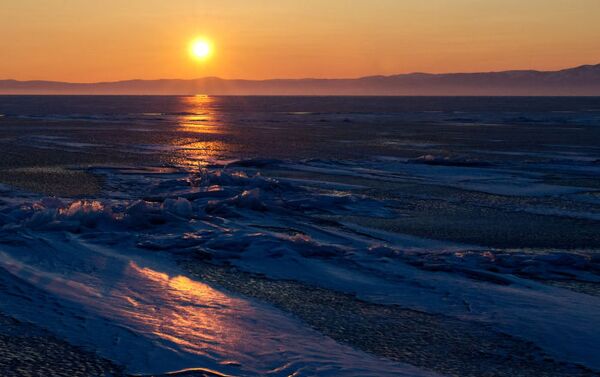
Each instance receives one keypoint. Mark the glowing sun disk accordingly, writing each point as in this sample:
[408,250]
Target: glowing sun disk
[200,49]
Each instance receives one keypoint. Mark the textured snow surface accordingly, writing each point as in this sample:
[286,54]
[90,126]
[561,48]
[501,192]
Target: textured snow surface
[99,271]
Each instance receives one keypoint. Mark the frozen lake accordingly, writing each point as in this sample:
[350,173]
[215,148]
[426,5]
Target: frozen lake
[482,210]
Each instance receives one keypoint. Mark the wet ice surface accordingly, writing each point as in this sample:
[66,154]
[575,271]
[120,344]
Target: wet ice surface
[461,213]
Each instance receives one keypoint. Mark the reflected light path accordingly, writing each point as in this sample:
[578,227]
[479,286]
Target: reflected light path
[202,130]
[199,116]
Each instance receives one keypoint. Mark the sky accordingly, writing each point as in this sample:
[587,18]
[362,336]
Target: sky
[108,40]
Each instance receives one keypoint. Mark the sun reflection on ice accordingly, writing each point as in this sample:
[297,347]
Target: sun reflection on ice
[200,129]
[177,311]
[196,317]
[199,116]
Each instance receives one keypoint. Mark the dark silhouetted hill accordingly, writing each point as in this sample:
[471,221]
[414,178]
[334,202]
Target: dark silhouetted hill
[579,81]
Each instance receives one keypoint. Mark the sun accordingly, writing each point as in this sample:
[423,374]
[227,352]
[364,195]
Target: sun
[201,49]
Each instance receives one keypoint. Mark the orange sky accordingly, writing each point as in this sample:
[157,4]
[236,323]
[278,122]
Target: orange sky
[91,40]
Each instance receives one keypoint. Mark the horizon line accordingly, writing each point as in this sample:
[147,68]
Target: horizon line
[305,78]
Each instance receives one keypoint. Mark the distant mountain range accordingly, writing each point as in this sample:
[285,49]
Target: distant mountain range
[579,81]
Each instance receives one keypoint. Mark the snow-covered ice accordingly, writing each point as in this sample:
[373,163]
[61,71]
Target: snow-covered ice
[90,264]
[437,205]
